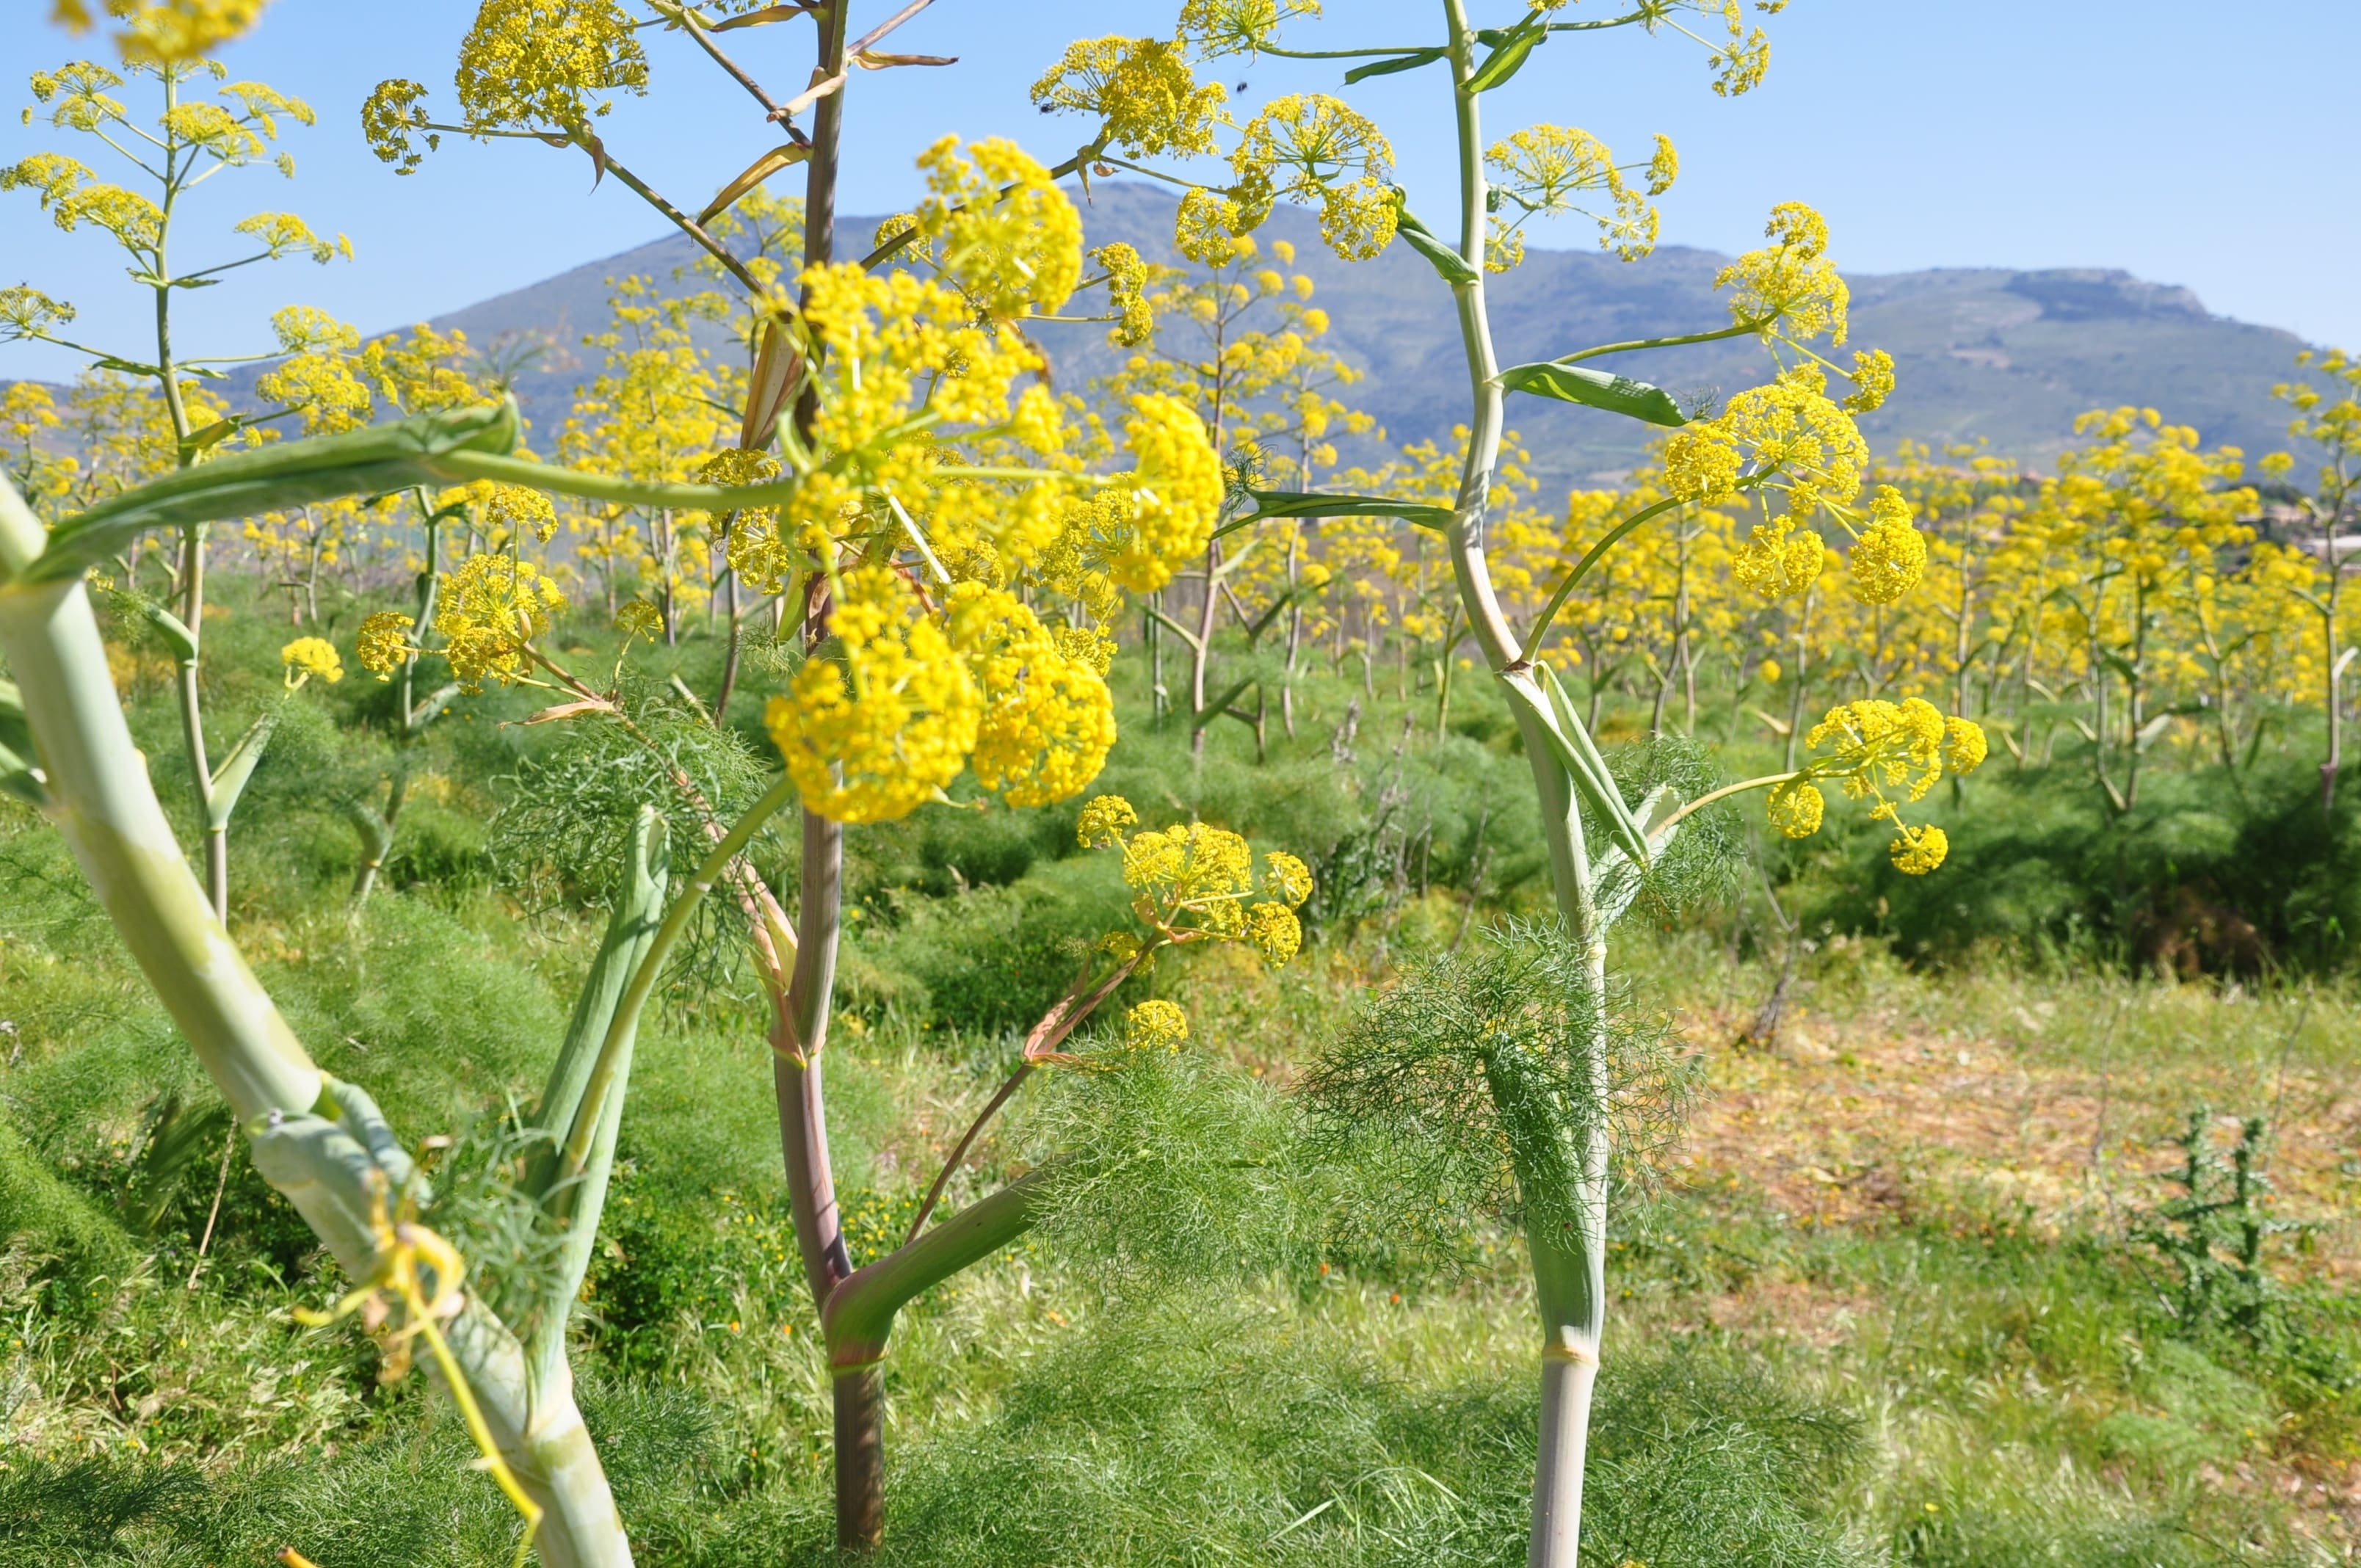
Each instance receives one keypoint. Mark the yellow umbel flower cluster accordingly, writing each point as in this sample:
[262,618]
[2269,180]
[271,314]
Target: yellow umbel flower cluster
[1548,170]
[382,644]
[1049,719]
[1196,883]
[1141,90]
[1876,747]
[1155,1025]
[165,32]
[492,607]
[308,656]
[1176,498]
[1001,228]
[871,734]
[1320,151]
[1126,277]
[529,64]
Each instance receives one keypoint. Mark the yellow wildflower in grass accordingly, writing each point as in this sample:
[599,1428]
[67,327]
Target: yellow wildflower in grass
[1142,92]
[1002,230]
[1274,931]
[874,732]
[491,608]
[529,64]
[1048,719]
[1155,1024]
[1197,883]
[382,644]
[1176,495]
[1890,556]
[308,656]
[1963,745]
[1288,877]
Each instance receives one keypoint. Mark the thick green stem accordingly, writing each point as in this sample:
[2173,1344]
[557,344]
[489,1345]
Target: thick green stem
[1568,1265]
[324,1148]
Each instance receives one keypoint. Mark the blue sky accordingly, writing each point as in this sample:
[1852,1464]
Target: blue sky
[2184,143]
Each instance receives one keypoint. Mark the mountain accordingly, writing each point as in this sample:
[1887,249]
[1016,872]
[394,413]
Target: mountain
[1980,352]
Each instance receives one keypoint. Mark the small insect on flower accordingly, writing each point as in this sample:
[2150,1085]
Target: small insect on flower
[308,656]
[382,644]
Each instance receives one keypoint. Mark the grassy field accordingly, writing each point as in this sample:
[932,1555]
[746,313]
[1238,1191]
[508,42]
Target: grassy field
[1895,1299]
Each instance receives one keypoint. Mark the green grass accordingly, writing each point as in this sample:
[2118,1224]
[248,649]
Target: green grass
[1954,1379]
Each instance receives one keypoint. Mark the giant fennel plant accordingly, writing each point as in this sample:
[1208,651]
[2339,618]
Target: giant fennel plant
[202,126]
[1787,443]
[951,562]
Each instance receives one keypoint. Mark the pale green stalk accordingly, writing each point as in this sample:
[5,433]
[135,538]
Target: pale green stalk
[320,1142]
[1569,1262]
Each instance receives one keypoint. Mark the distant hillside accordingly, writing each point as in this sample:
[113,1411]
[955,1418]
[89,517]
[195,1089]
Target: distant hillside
[2010,357]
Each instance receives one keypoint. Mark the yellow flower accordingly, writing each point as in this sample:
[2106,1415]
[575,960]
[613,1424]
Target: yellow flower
[308,656]
[1126,281]
[1890,555]
[639,619]
[1549,169]
[1103,822]
[1049,719]
[1796,809]
[1312,148]
[1155,1024]
[388,119]
[165,32]
[1663,168]
[382,644]
[491,608]
[537,62]
[1238,27]
[1287,877]
[1175,494]
[1206,227]
[871,734]
[1003,229]
[1919,849]
[1193,878]
[1274,931]
[516,508]
[1873,380]
[1789,287]
[1776,561]
[1141,90]
[1963,745]
[1783,435]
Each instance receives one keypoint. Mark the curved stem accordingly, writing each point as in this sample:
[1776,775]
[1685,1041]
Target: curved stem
[1740,330]
[1765,782]
[627,1012]
[1582,567]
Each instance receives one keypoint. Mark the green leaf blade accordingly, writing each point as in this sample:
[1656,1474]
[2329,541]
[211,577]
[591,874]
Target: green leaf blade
[1596,389]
